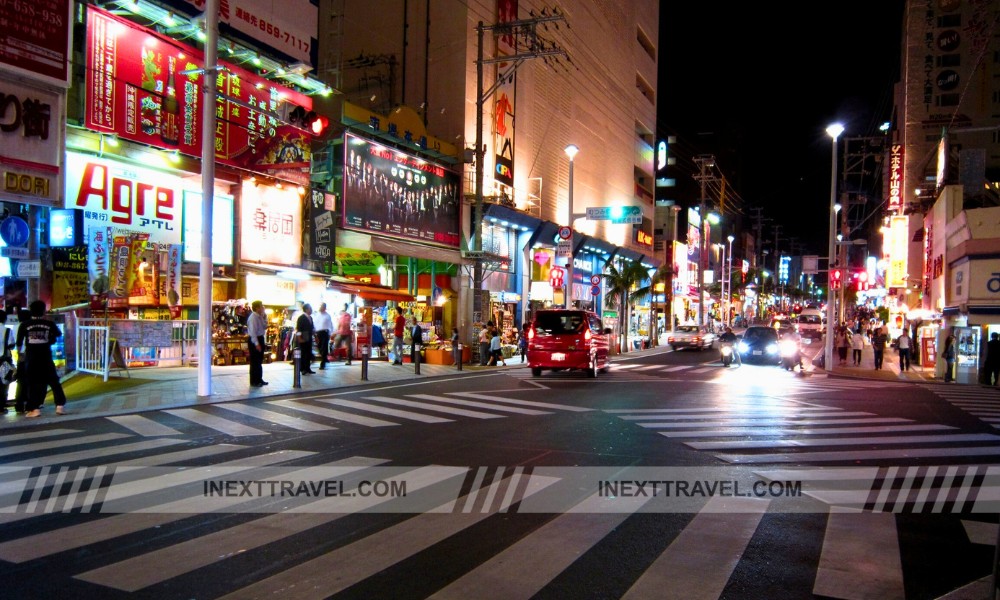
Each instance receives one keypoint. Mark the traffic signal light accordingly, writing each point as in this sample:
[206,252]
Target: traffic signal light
[836,279]
[863,280]
[308,120]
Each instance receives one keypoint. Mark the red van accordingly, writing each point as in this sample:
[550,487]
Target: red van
[568,339]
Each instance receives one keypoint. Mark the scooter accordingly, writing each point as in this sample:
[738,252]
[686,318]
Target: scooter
[791,356]
[726,351]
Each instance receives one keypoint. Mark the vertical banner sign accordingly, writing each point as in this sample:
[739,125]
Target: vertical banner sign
[503,101]
[144,287]
[70,279]
[173,280]
[895,179]
[98,251]
[898,249]
[121,246]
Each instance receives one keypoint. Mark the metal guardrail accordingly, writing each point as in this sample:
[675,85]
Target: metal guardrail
[95,347]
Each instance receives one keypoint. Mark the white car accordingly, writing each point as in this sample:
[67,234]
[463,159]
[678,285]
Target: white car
[691,336]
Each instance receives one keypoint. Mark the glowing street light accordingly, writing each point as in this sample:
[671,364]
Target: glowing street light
[834,132]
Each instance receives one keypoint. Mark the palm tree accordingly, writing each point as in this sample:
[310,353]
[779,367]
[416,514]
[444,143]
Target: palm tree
[623,291]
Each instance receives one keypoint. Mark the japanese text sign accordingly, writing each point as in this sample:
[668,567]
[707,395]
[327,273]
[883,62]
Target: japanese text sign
[144,87]
[270,225]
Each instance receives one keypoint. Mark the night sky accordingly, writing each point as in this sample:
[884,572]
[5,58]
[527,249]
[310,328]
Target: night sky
[757,88]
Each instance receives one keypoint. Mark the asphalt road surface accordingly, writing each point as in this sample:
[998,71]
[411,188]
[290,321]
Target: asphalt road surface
[668,477]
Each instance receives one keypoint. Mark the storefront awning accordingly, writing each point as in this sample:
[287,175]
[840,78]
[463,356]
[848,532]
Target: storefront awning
[514,217]
[283,271]
[401,248]
[368,292]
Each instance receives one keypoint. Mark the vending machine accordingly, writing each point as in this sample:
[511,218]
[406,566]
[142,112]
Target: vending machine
[967,341]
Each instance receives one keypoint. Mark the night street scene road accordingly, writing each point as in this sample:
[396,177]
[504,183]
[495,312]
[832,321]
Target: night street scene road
[499,299]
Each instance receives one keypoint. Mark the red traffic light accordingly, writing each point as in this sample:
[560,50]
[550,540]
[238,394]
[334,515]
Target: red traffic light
[836,276]
[318,124]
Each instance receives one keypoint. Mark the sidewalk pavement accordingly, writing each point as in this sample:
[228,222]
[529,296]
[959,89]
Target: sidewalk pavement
[151,388]
[890,370]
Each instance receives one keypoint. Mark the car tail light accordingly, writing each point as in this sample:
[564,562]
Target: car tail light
[587,335]
[531,334]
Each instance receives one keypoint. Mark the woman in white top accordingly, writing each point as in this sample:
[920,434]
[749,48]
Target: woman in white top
[857,345]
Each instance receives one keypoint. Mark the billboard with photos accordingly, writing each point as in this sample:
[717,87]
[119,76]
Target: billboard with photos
[398,194]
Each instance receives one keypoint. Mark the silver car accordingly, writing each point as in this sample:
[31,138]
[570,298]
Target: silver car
[691,336]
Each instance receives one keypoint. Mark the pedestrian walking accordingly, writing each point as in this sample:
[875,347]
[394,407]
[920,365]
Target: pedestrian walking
[522,342]
[21,381]
[323,323]
[879,339]
[6,362]
[36,336]
[484,344]
[496,349]
[304,332]
[903,345]
[343,333]
[949,354]
[992,363]
[857,345]
[842,343]
[398,331]
[416,338]
[256,328]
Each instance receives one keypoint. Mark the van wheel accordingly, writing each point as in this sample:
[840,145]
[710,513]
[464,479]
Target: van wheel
[536,372]
[592,369]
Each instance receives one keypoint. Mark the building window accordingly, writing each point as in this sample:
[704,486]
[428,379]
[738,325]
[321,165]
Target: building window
[647,46]
[645,89]
[949,60]
[948,99]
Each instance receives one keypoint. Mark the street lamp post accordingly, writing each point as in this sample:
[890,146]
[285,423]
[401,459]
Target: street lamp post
[571,152]
[834,132]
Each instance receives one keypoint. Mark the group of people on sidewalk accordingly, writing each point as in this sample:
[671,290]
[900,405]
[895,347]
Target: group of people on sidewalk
[35,371]
[855,339]
[490,346]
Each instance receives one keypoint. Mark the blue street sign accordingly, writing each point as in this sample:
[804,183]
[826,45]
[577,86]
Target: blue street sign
[14,231]
[595,290]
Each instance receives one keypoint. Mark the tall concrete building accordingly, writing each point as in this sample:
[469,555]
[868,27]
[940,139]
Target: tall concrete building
[943,223]
[583,74]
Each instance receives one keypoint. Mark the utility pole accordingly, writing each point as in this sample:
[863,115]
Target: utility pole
[777,266]
[527,44]
[704,162]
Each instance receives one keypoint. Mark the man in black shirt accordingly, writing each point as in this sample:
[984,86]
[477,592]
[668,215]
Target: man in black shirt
[35,337]
[304,329]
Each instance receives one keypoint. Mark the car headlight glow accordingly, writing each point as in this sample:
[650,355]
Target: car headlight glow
[742,347]
[771,348]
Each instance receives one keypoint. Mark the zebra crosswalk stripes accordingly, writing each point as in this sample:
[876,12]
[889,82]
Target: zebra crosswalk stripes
[697,559]
[813,434]
[694,564]
[329,413]
[978,401]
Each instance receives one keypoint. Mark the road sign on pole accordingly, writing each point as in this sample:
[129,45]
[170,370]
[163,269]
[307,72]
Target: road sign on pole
[626,215]
[599,213]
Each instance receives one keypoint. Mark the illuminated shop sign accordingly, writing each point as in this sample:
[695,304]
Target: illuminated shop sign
[115,194]
[896,179]
[222,228]
[145,87]
[398,194]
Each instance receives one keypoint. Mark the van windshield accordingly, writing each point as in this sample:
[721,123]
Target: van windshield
[555,323]
[811,319]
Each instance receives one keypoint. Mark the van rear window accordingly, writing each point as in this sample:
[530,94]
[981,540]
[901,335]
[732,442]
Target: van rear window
[555,323]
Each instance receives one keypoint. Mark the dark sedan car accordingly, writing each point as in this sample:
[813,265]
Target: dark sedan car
[759,344]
